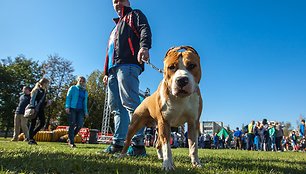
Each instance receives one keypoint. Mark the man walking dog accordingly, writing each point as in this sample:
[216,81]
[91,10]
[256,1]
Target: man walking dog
[128,45]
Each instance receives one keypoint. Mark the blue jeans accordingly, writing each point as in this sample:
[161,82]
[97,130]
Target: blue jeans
[123,99]
[256,142]
[250,141]
[76,120]
[273,145]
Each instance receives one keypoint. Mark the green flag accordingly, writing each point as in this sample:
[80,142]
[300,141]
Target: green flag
[222,132]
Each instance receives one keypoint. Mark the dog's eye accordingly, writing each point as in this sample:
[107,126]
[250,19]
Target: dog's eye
[172,67]
[191,66]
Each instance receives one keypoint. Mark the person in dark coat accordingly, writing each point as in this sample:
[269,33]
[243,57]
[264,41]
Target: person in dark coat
[19,120]
[38,95]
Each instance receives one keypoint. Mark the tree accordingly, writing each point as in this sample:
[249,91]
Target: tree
[14,75]
[287,128]
[59,71]
[96,96]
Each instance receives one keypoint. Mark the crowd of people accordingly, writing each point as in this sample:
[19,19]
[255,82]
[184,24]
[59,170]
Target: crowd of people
[35,99]
[259,136]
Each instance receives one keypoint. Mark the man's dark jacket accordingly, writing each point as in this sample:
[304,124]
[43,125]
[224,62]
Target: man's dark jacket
[133,32]
[24,100]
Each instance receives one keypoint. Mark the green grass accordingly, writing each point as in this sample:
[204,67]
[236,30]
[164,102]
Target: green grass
[51,157]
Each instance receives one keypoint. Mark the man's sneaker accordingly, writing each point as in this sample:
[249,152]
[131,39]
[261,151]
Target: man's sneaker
[32,142]
[14,139]
[72,145]
[113,148]
[136,151]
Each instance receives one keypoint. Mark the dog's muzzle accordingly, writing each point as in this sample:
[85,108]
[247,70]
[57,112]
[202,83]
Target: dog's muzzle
[182,81]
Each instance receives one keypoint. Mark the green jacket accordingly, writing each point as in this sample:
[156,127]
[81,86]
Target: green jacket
[272,132]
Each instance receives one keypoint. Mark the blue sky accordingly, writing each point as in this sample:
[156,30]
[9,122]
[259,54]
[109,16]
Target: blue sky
[253,53]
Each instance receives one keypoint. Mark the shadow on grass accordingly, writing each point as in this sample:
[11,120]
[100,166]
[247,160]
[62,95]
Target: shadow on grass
[59,158]
[83,146]
[260,165]
[33,162]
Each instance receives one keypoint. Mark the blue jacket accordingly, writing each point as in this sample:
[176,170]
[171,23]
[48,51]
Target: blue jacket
[302,130]
[73,96]
[237,133]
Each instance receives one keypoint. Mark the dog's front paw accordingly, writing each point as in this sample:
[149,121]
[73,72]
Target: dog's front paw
[168,165]
[159,154]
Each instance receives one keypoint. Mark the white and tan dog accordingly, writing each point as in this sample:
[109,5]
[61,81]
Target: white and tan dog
[176,101]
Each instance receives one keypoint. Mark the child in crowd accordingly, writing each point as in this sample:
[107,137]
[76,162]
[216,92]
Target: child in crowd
[286,143]
[294,141]
[303,144]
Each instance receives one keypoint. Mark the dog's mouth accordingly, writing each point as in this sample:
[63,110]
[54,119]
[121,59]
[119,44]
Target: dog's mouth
[182,93]
[183,90]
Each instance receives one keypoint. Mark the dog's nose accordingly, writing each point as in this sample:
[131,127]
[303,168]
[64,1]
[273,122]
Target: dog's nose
[182,81]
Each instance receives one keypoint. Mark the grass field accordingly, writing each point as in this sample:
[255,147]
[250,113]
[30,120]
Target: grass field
[51,157]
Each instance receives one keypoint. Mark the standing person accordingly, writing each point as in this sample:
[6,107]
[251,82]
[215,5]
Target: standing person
[19,120]
[76,108]
[279,136]
[222,141]
[250,136]
[201,143]
[244,141]
[237,138]
[227,141]
[302,128]
[185,139]
[257,136]
[272,134]
[175,140]
[128,45]
[216,141]
[38,97]
[294,141]
[264,132]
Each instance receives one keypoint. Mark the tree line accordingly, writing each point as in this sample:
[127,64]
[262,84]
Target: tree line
[20,71]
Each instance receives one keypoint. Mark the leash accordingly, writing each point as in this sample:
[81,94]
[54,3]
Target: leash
[154,67]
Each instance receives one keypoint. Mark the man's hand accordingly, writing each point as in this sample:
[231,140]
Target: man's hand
[143,54]
[86,115]
[67,110]
[105,79]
